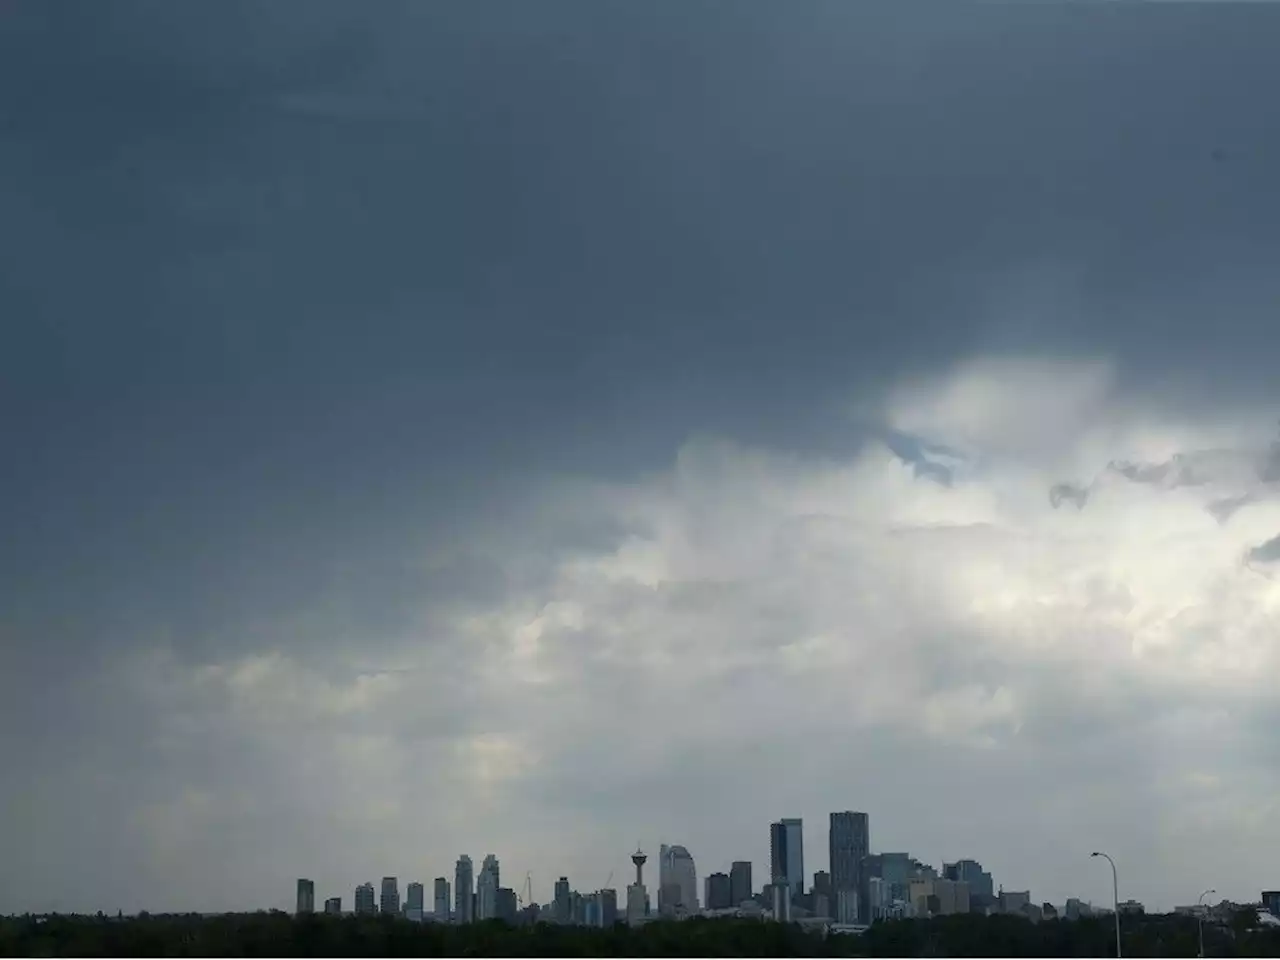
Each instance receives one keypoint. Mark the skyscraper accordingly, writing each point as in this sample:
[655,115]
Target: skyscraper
[506,908]
[441,899]
[365,900]
[740,887]
[463,888]
[981,886]
[333,906]
[786,853]
[413,901]
[390,901]
[848,846]
[487,889]
[608,908]
[719,891]
[676,869]
[563,906]
[306,897]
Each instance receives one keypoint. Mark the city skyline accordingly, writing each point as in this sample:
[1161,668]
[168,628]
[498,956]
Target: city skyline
[849,867]
[534,428]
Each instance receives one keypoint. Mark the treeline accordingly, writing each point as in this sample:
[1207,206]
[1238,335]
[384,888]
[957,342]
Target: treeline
[280,935]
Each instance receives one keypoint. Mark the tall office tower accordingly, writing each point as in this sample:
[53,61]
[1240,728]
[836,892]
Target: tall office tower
[306,897]
[786,853]
[981,886]
[413,901]
[333,906]
[506,908]
[608,908]
[487,889]
[562,911]
[365,900]
[676,869]
[390,900]
[719,891]
[441,898]
[848,846]
[463,891]
[740,887]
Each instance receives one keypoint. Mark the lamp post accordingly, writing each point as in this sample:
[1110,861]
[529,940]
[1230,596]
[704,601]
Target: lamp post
[1115,887]
[1200,918]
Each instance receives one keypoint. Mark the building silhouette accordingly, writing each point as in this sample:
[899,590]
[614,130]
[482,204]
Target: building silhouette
[389,902]
[306,896]
[463,890]
[413,901]
[719,891]
[487,889]
[786,854]
[740,888]
[366,901]
[440,899]
[848,846]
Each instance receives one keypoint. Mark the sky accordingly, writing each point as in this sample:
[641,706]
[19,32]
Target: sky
[538,429]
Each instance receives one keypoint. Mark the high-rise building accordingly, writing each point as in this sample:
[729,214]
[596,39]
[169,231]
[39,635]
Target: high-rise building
[505,905]
[441,899]
[897,870]
[786,853]
[1271,902]
[366,901]
[676,869]
[981,886]
[740,887]
[413,902]
[719,891]
[608,908]
[849,845]
[389,902]
[333,906]
[487,889]
[562,905]
[306,897]
[463,891]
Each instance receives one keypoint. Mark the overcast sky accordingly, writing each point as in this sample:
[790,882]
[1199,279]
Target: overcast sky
[535,428]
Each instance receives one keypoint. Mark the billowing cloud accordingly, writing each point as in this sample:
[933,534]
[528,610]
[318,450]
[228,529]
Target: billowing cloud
[758,634]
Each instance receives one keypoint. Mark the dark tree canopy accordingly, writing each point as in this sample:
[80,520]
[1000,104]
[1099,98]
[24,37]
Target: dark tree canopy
[279,934]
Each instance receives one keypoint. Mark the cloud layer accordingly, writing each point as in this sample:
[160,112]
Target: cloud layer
[750,633]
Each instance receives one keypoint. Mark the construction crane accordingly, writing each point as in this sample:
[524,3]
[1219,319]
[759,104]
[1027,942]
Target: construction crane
[607,881]
[526,895]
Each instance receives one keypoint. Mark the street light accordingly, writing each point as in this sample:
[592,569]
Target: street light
[1115,886]
[1200,918]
